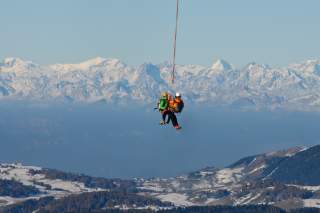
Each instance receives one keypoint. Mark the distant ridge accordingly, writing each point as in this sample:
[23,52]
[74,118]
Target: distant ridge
[255,86]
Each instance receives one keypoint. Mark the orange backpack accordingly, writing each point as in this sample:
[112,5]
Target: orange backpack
[177,105]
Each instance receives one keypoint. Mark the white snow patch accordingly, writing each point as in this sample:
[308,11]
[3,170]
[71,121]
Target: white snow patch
[155,187]
[206,173]
[227,176]
[257,169]
[271,153]
[252,199]
[271,173]
[210,200]
[175,184]
[309,188]
[203,184]
[311,203]
[59,188]
[252,161]
[290,154]
[176,199]
[22,174]
[242,199]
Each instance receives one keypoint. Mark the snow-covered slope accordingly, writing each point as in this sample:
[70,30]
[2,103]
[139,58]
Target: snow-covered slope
[251,180]
[34,189]
[270,178]
[253,86]
[46,187]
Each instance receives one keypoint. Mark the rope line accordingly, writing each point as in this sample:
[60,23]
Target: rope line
[175,45]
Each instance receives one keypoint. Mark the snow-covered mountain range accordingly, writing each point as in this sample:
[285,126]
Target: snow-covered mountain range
[253,86]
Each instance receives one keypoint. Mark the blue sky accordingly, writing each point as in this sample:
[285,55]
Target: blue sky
[136,31]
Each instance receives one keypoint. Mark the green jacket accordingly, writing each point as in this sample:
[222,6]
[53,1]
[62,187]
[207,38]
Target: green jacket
[163,103]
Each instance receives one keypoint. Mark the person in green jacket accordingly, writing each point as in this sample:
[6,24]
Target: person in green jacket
[163,106]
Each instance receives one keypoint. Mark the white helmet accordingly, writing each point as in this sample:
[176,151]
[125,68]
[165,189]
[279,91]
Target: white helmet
[178,95]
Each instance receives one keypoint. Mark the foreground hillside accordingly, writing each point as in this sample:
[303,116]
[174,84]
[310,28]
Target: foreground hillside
[273,182]
[253,86]
[271,178]
[26,188]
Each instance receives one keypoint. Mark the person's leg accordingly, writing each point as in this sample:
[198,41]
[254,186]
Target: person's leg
[174,120]
[164,115]
[169,113]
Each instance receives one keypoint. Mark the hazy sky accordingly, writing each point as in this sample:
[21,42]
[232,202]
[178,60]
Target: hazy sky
[136,31]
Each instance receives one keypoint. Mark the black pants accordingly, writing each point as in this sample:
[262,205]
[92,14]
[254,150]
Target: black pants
[164,116]
[171,116]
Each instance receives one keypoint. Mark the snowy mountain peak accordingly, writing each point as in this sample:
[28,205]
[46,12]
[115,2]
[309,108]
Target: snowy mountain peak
[221,65]
[312,62]
[11,61]
[17,65]
[307,67]
[99,61]
[254,66]
[93,62]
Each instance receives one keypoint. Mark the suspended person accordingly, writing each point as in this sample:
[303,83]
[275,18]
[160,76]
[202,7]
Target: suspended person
[163,106]
[176,105]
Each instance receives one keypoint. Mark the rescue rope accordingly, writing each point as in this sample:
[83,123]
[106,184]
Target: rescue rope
[175,45]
